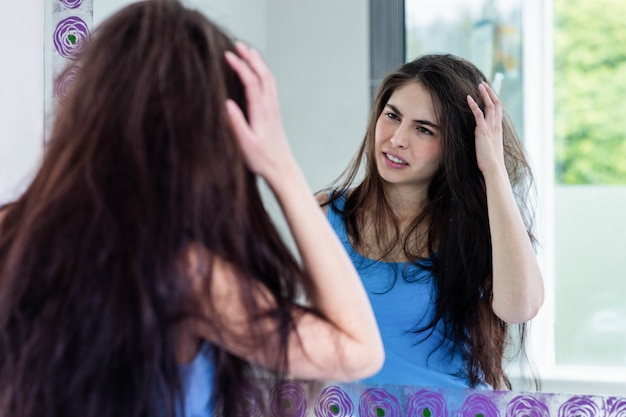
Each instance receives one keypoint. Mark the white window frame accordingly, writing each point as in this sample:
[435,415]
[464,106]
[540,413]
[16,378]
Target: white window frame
[539,141]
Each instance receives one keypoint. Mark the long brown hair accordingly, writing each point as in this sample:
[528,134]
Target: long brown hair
[455,216]
[140,164]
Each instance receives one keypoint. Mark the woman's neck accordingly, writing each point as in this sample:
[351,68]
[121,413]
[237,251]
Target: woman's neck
[405,202]
[384,238]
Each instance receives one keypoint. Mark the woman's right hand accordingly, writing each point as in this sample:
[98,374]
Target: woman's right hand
[344,342]
[261,136]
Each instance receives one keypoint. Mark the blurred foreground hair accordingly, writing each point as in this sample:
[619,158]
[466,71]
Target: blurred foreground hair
[141,165]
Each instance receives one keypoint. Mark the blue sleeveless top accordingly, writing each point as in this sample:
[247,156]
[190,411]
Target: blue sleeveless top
[403,297]
[197,377]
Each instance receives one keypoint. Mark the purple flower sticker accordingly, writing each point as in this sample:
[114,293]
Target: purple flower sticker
[333,402]
[63,83]
[426,403]
[69,36]
[527,406]
[478,405]
[376,402]
[250,407]
[287,399]
[72,4]
[579,407]
[616,407]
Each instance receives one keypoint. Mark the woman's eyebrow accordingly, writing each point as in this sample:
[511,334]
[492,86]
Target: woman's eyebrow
[422,122]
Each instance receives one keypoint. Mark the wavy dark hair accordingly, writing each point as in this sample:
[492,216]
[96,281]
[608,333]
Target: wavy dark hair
[141,163]
[455,217]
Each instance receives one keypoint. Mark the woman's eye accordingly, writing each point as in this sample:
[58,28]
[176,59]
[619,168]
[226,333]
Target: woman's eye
[424,130]
[392,116]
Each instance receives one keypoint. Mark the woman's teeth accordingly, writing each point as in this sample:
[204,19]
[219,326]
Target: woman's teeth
[394,159]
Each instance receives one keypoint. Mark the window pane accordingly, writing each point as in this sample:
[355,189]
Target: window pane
[590,89]
[590,165]
[590,268]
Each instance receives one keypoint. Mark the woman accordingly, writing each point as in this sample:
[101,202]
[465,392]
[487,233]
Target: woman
[433,227]
[140,274]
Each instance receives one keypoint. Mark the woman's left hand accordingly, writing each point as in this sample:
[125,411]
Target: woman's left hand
[489,147]
[516,280]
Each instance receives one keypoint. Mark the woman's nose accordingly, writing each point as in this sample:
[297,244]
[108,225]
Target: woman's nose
[399,138]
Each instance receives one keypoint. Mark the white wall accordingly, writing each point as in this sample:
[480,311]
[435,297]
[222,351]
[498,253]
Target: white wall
[21,93]
[319,53]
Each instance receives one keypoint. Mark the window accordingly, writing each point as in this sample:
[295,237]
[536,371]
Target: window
[590,183]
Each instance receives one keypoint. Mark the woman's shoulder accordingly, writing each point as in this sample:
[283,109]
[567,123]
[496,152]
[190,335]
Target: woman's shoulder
[323,197]
[333,197]
[330,196]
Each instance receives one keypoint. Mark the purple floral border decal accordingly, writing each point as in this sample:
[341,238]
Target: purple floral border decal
[68,26]
[360,400]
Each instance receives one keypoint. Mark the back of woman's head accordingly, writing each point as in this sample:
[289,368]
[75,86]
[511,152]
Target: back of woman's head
[146,115]
[140,164]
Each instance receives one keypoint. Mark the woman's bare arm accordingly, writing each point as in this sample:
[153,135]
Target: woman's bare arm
[518,291]
[317,349]
[346,344]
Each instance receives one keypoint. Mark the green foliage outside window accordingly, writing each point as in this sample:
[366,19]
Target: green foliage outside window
[590,91]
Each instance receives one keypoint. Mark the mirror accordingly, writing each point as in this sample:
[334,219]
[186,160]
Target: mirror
[321,62]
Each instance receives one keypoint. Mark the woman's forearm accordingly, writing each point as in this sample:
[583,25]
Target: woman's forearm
[518,291]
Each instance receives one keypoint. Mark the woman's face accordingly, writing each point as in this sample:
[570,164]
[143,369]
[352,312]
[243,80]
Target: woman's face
[407,138]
